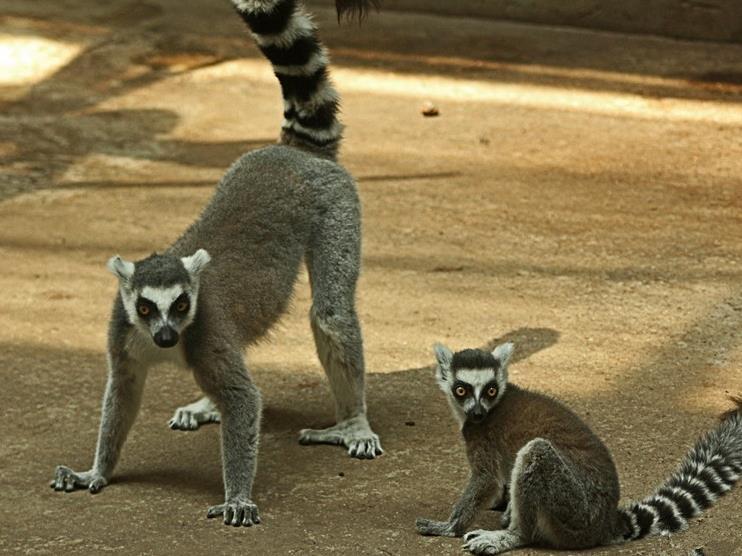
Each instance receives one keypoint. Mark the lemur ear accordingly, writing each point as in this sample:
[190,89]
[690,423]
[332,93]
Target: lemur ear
[503,352]
[196,262]
[443,355]
[120,268]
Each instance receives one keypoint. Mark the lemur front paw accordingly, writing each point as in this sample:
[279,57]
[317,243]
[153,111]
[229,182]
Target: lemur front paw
[355,434]
[489,543]
[434,528]
[190,417]
[236,513]
[67,480]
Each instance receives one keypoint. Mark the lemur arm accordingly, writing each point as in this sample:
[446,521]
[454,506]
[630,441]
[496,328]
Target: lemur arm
[121,403]
[228,384]
[480,490]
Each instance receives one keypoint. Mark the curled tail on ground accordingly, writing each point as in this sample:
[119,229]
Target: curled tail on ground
[707,472]
[287,36]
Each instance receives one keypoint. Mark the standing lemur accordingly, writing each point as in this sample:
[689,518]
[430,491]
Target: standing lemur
[230,276]
[556,480]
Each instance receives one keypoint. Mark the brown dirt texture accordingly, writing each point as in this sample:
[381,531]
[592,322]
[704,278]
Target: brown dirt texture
[579,193]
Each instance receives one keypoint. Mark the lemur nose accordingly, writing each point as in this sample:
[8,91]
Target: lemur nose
[166,337]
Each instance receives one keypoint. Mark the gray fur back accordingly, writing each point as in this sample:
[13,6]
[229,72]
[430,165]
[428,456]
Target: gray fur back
[257,227]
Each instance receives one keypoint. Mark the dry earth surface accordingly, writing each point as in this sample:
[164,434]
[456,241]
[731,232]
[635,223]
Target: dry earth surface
[580,193]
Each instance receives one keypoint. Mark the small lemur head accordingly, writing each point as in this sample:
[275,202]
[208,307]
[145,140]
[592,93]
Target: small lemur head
[474,380]
[160,292]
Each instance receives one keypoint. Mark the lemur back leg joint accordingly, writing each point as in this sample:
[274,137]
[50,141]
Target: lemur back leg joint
[547,501]
[333,263]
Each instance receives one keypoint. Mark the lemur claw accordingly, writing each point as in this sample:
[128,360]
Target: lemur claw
[236,513]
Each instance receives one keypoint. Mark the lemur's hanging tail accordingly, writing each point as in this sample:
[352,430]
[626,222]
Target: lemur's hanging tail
[707,472]
[287,36]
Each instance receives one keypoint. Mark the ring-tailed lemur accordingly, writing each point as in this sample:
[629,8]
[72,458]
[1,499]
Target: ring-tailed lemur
[230,276]
[556,477]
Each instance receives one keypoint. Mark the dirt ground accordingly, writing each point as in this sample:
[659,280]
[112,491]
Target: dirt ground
[580,194]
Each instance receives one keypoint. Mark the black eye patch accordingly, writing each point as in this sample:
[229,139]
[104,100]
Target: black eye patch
[461,389]
[180,305]
[146,309]
[490,385]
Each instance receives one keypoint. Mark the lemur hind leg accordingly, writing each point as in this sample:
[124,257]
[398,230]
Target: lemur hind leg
[190,417]
[333,262]
[339,346]
[548,504]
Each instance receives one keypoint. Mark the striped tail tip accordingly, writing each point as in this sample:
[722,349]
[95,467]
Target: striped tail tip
[287,37]
[707,472]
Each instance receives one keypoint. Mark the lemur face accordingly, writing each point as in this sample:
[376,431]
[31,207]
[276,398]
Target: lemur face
[160,293]
[474,380]
[475,391]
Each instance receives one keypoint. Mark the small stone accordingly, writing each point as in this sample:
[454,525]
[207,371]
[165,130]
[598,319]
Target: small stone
[410,423]
[341,474]
[429,109]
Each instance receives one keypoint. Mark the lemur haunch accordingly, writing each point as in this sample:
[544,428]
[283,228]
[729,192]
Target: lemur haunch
[556,477]
[230,276]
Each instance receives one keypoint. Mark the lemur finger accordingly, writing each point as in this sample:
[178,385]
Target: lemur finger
[59,474]
[237,515]
[96,486]
[215,511]
[370,449]
[362,452]
[70,484]
[180,418]
[228,514]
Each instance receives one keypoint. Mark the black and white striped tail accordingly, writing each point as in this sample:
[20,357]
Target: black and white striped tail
[287,36]
[708,471]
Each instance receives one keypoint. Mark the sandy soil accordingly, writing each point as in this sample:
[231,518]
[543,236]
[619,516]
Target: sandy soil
[580,194]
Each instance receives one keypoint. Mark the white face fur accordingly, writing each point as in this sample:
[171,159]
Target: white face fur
[161,313]
[473,392]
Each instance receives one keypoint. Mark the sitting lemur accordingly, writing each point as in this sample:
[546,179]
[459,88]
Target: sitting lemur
[555,479]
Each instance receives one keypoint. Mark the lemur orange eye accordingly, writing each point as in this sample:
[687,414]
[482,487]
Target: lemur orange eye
[143,310]
[182,307]
[492,392]
[460,391]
